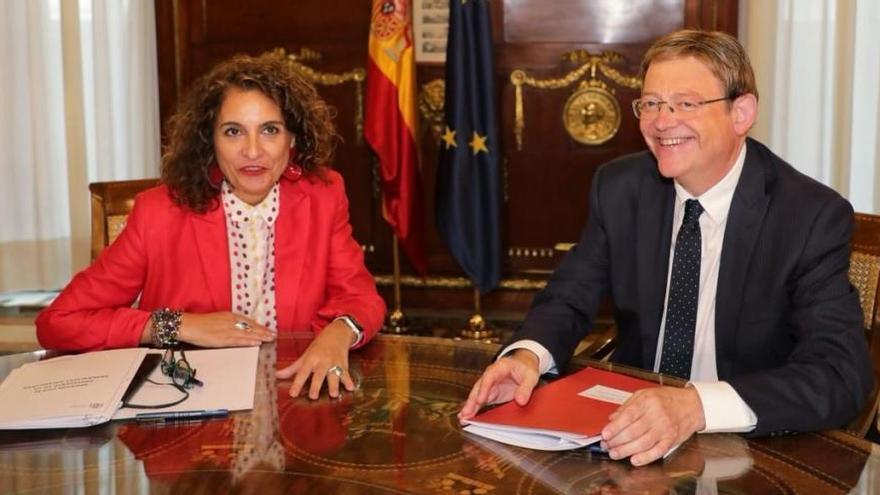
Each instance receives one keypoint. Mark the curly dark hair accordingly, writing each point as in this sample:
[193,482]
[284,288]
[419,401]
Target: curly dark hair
[190,151]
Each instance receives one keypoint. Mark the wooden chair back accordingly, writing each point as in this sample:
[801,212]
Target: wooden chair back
[111,204]
[864,273]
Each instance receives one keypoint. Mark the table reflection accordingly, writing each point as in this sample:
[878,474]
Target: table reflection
[397,432]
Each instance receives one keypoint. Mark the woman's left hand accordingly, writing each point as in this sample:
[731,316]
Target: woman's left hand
[328,351]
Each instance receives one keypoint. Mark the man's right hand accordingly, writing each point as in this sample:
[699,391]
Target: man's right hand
[512,377]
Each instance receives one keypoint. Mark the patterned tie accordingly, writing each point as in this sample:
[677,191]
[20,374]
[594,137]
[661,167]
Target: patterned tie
[684,288]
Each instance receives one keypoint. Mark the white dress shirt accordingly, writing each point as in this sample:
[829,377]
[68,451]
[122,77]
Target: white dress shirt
[723,408]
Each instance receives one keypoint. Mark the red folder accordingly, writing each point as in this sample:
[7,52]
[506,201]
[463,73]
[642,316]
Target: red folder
[556,417]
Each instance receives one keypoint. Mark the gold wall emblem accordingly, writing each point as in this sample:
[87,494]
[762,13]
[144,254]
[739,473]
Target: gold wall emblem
[591,115]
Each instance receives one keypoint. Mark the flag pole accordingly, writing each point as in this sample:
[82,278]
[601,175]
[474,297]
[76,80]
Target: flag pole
[396,321]
[477,328]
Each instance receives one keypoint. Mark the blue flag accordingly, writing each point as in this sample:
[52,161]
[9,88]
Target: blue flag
[468,182]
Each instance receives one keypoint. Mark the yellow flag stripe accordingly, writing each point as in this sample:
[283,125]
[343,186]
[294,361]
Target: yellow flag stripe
[400,72]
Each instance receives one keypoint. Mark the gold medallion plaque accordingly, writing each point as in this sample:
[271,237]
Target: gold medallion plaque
[591,115]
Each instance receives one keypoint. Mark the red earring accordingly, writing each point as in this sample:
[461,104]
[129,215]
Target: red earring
[215,175]
[293,171]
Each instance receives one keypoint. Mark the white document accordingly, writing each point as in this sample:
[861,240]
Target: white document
[229,375]
[606,394]
[68,391]
[531,438]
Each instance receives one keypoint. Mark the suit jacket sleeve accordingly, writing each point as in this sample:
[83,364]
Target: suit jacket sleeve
[94,310]
[350,288]
[824,380]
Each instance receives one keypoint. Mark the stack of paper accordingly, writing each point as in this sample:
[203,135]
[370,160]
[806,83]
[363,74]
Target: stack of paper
[229,376]
[566,414]
[69,391]
[87,389]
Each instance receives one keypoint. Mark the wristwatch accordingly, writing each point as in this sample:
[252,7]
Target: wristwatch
[354,326]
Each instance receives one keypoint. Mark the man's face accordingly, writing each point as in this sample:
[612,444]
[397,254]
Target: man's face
[696,148]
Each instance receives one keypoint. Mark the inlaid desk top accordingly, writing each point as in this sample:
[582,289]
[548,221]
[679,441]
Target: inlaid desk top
[398,433]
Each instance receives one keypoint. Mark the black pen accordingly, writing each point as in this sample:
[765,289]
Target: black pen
[181,415]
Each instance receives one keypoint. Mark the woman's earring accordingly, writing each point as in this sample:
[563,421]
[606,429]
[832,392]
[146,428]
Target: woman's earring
[215,175]
[293,171]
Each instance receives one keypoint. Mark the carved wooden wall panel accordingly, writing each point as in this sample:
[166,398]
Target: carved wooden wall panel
[545,183]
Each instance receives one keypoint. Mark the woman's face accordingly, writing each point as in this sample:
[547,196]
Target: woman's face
[251,143]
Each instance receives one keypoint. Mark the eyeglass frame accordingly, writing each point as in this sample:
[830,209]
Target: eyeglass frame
[672,106]
[170,367]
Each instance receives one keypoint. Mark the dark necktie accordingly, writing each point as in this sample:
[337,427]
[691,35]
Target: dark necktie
[684,288]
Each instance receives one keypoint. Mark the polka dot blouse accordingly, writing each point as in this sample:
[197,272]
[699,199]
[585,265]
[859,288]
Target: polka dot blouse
[251,235]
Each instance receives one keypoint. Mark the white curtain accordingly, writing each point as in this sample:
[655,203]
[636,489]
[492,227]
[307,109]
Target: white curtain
[79,99]
[818,68]
[121,88]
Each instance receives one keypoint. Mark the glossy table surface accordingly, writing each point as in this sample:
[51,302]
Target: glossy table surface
[397,433]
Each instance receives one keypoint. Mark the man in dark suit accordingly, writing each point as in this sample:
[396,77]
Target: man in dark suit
[726,267]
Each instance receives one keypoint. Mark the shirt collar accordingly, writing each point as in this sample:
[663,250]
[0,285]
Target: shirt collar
[716,200]
[266,210]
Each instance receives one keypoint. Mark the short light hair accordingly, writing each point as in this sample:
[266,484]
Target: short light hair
[721,52]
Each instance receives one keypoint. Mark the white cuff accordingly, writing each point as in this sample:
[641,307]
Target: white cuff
[545,360]
[723,408]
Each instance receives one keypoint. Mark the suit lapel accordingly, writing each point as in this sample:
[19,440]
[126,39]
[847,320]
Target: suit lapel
[213,246]
[291,239]
[747,210]
[656,202]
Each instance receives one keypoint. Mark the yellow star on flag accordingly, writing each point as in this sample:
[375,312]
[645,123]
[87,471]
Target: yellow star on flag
[449,138]
[478,143]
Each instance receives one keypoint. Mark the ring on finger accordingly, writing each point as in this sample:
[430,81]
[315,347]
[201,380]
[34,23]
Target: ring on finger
[336,370]
[242,325]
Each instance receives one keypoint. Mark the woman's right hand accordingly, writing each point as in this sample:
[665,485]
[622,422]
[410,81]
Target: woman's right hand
[219,330]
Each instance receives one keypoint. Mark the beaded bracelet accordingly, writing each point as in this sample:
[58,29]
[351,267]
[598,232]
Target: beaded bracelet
[165,324]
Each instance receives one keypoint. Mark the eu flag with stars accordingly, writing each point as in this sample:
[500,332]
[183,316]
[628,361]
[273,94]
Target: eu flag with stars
[468,196]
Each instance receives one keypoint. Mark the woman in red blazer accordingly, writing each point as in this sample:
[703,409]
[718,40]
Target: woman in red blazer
[248,235]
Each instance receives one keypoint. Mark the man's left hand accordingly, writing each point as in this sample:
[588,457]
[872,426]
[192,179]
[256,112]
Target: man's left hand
[652,422]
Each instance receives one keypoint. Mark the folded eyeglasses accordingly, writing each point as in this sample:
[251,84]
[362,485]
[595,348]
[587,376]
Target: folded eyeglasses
[182,375]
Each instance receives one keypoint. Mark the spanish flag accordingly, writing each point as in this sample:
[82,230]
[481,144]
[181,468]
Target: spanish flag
[390,124]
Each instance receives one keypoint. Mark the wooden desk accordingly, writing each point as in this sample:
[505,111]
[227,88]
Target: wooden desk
[398,434]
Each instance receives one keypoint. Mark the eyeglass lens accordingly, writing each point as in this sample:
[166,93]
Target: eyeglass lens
[179,370]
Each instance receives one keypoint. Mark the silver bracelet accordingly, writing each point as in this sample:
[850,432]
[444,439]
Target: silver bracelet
[355,328]
[164,327]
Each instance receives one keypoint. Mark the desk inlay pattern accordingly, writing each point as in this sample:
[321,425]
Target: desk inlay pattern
[398,433]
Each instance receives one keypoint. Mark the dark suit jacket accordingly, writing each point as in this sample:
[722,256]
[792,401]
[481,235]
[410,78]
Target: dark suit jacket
[170,256]
[788,326]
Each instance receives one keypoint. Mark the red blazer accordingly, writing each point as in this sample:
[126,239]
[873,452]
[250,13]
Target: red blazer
[171,257]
